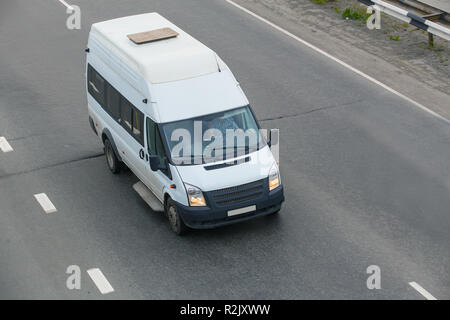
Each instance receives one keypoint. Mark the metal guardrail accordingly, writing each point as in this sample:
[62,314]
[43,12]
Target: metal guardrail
[421,22]
[439,11]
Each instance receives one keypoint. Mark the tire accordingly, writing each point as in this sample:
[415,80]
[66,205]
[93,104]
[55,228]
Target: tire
[176,222]
[111,159]
[275,213]
[124,167]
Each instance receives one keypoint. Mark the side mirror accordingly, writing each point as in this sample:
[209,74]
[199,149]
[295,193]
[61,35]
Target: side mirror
[273,137]
[155,163]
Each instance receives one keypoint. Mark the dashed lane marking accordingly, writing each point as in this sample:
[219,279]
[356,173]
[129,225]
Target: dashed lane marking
[45,203]
[100,281]
[4,145]
[422,291]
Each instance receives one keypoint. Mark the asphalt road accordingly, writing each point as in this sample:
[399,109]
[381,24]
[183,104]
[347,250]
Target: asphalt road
[366,174]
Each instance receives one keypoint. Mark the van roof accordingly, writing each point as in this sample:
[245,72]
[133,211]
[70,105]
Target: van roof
[176,58]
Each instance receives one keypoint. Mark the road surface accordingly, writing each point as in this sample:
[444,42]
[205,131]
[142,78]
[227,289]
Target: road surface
[366,174]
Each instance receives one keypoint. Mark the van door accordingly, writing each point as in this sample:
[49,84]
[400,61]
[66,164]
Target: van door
[160,178]
[132,121]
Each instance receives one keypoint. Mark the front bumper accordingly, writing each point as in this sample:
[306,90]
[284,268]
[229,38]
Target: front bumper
[213,217]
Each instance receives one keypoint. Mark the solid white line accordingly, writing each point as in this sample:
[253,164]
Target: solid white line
[100,281]
[362,74]
[4,145]
[422,291]
[45,203]
[66,4]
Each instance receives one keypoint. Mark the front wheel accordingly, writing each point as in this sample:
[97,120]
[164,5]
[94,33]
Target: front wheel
[276,213]
[176,223]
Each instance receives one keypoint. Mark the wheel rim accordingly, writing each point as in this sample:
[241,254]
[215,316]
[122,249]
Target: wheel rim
[109,157]
[173,218]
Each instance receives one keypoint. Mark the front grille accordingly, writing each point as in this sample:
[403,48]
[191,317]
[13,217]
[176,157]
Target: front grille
[237,194]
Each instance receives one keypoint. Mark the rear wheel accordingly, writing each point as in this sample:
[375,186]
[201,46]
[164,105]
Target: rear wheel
[111,158]
[175,220]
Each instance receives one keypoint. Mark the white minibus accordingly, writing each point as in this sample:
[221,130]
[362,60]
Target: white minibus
[168,108]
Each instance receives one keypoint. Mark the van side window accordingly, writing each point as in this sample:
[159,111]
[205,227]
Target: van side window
[154,141]
[138,124]
[113,102]
[125,113]
[96,85]
[159,146]
[155,144]
[151,130]
[116,105]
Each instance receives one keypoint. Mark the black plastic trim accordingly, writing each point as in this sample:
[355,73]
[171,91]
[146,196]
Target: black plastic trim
[91,122]
[213,217]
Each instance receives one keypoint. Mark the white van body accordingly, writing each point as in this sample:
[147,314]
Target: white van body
[167,81]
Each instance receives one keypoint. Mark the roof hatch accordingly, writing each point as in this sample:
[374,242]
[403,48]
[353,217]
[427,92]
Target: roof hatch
[153,35]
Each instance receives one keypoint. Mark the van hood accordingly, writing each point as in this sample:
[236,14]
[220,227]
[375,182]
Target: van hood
[257,168]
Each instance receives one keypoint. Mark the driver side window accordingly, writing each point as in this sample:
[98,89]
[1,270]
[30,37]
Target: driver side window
[154,141]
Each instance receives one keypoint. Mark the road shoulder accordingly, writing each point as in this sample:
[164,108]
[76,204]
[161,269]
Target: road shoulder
[428,90]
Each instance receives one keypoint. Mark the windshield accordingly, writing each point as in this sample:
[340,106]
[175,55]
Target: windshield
[213,137]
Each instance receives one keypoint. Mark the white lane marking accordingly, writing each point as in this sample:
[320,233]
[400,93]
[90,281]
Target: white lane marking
[100,281]
[362,74]
[4,145]
[66,4]
[45,203]
[422,291]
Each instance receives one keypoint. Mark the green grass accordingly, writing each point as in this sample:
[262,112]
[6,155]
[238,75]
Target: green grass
[355,14]
[319,1]
[394,38]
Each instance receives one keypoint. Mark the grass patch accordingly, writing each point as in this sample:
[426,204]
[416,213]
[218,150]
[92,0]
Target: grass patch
[394,38]
[319,1]
[435,48]
[355,14]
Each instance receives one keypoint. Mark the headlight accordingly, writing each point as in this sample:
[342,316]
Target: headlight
[195,196]
[274,177]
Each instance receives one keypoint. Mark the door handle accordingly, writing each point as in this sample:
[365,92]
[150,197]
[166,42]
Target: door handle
[141,154]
